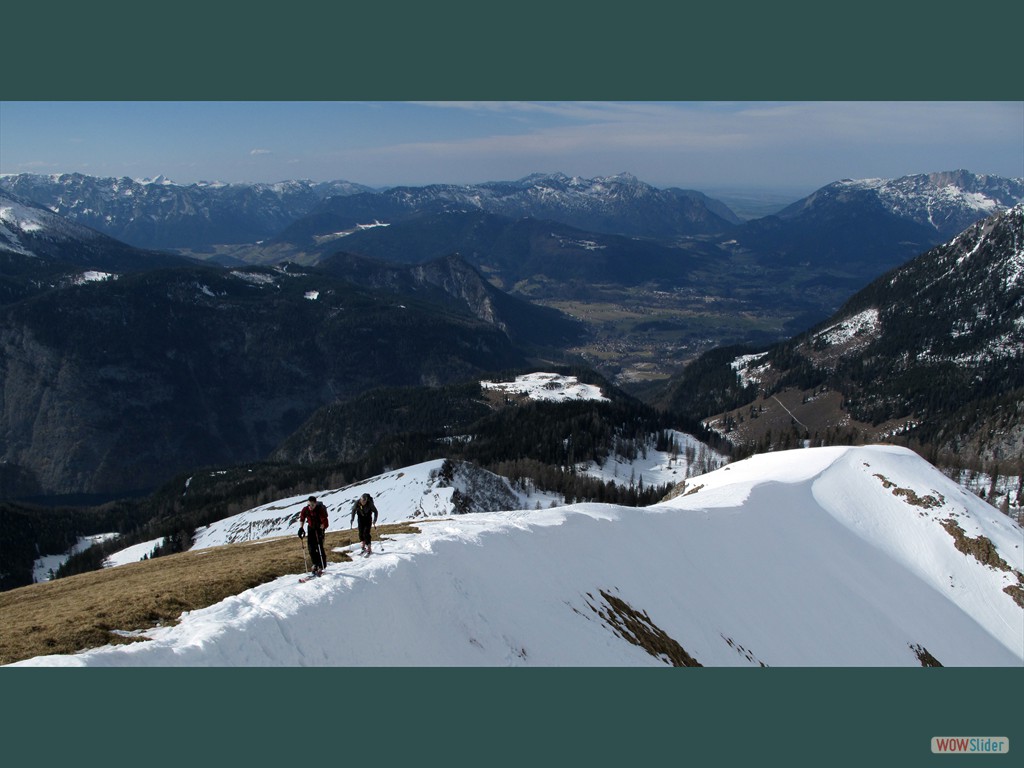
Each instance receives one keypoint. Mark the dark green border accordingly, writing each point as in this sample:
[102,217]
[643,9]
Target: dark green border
[515,717]
[527,50]
[462,49]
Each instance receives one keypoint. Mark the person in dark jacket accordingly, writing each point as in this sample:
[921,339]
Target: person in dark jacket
[366,511]
[315,513]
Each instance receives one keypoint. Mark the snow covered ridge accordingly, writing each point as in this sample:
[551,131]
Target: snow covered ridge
[430,490]
[18,219]
[847,556]
[935,199]
[411,493]
[550,387]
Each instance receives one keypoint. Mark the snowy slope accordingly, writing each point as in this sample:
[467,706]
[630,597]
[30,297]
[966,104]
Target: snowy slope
[407,494]
[654,467]
[19,218]
[46,565]
[818,557]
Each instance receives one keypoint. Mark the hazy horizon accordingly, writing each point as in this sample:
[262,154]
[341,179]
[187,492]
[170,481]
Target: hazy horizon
[797,146]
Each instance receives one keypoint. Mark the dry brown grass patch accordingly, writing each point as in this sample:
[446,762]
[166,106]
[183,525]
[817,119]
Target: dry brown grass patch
[87,610]
[923,655]
[984,551]
[911,497]
[637,628]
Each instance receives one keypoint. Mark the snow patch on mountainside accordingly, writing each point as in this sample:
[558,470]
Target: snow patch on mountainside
[687,457]
[46,565]
[864,325]
[748,372]
[551,387]
[93,276]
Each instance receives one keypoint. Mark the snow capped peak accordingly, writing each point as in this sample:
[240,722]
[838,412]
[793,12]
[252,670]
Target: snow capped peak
[158,180]
[947,201]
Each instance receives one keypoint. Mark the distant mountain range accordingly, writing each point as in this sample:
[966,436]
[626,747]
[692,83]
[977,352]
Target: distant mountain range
[225,363]
[159,214]
[620,205]
[547,235]
[163,215]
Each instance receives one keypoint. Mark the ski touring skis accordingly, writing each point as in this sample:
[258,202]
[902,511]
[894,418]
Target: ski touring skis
[311,576]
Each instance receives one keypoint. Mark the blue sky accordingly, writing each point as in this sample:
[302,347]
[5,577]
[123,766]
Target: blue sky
[694,145]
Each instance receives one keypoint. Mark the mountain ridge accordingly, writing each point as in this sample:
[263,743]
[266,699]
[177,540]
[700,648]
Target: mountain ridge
[159,214]
[760,549]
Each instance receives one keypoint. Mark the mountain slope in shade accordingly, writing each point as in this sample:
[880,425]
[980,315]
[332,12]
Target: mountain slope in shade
[452,282]
[818,557]
[200,366]
[40,250]
[31,231]
[620,204]
[930,350]
[858,227]
[946,202]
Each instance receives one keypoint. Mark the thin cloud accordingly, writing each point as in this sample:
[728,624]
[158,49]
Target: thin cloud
[666,143]
[685,128]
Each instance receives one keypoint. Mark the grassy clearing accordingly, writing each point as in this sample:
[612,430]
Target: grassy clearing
[86,610]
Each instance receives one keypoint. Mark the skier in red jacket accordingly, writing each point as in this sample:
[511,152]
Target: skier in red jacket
[316,514]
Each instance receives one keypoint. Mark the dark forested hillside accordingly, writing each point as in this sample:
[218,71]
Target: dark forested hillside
[509,251]
[450,281]
[520,438]
[30,531]
[186,368]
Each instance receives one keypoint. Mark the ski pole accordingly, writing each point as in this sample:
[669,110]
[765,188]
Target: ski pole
[305,563]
